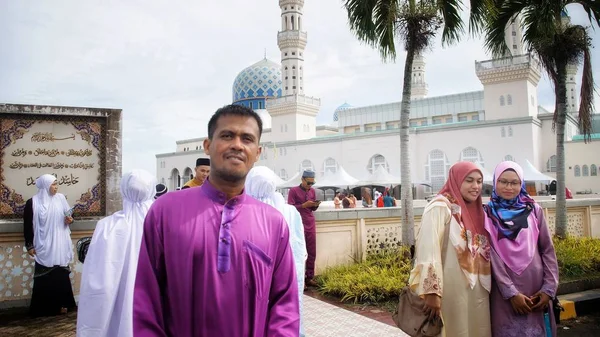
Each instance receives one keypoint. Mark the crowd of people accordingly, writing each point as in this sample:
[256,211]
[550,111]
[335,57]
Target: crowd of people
[228,256]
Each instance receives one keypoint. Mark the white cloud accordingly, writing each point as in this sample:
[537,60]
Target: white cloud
[170,64]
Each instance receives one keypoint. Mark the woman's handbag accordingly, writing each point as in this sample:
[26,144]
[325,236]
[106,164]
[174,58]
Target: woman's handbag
[82,247]
[409,315]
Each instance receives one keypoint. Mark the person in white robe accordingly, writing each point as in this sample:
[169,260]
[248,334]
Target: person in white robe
[108,278]
[261,185]
[46,220]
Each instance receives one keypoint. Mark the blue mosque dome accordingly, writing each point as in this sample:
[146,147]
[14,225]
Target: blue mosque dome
[342,107]
[257,83]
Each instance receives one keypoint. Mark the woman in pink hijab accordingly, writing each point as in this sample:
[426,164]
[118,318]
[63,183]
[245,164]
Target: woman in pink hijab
[455,282]
[525,271]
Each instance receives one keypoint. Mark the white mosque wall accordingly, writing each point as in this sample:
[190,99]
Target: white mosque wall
[510,100]
[175,169]
[582,155]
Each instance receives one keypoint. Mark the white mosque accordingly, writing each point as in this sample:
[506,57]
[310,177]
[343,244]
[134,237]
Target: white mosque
[503,121]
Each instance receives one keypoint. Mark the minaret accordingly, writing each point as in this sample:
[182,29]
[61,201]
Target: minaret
[418,85]
[292,41]
[513,35]
[293,116]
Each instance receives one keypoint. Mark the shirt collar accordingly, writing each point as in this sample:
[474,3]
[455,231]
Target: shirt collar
[219,197]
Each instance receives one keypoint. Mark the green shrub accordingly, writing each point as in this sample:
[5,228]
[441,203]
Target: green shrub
[380,278]
[577,257]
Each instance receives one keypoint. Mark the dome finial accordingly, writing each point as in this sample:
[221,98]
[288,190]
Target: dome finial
[265,53]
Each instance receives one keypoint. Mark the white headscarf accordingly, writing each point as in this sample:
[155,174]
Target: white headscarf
[261,185]
[108,278]
[51,236]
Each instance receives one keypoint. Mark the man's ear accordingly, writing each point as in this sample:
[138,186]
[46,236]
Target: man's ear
[258,154]
[206,145]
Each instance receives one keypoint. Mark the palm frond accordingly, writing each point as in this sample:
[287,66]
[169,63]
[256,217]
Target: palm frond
[592,9]
[481,11]
[453,24]
[586,104]
[373,23]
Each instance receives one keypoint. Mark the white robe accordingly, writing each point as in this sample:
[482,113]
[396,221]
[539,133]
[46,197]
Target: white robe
[108,278]
[51,236]
[260,184]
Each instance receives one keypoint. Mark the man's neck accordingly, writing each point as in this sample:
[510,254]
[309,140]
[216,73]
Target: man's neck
[230,189]
[198,181]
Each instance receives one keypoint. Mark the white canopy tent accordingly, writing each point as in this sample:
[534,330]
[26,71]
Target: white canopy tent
[340,178]
[278,180]
[487,176]
[380,177]
[292,182]
[530,173]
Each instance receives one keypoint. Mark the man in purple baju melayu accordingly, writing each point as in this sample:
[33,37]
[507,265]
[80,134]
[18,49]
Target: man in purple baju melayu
[214,261]
[303,197]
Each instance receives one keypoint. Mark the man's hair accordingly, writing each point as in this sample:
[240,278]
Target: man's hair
[233,110]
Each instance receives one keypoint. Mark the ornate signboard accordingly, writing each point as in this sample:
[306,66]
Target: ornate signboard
[73,149]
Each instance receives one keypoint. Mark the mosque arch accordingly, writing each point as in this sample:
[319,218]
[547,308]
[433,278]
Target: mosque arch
[585,171]
[306,165]
[330,165]
[502,100]
[376,161]
[187,175]
[509,99]
[593,170]
[551,164]
[175,179]
[471,154]
[299,23]
[577,171]
[436,169]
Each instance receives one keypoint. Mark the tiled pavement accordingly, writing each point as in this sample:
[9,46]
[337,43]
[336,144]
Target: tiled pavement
[321,319]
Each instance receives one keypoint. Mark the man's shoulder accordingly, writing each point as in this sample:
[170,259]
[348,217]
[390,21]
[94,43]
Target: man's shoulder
[182,197]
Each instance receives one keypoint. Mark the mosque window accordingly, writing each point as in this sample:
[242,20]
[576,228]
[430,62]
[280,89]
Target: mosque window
[509,100]
[475,117]
[377,161]
[283,174]
[250,105]
[285,54]
[593,170]
[294,87]
[577,171]
[286,128]
[514,33]
[293,77]
[286,68]
[551,164]
[510,131]
[437,120]
[330,166]
[293,67]
[436,169]
[502,132]
[471,154]
[501,100]
[532,101]
[286,77]
[586,170]
[293,53]
[286,88]
[462,118]
[306,165]
[448,119]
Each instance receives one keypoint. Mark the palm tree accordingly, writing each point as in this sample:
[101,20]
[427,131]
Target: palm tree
[550,37]
[380,23]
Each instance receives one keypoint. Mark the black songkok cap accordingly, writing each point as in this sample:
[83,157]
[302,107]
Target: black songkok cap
[160,190]
[308,174]
[202,162]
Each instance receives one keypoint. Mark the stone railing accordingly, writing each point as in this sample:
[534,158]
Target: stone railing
[293,99]
[525,59]
[343,236]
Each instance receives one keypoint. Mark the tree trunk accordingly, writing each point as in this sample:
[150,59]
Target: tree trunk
[408,221]
[560,121]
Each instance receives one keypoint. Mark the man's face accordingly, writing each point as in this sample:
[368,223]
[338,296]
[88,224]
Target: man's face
[234,148]
[202,172]
[307,182]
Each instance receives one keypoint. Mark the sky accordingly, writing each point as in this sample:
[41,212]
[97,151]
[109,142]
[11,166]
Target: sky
[169,65]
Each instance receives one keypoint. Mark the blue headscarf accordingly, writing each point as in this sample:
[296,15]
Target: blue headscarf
[509,216]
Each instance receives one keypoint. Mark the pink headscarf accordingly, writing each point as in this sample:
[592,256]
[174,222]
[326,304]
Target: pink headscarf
[517,254]
[472,216]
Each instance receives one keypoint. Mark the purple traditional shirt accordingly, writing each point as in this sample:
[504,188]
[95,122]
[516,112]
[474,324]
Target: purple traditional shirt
[212,267]
[296,197]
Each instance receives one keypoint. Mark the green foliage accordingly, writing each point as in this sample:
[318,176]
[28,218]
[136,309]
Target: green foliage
[379,279]
[577,258]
